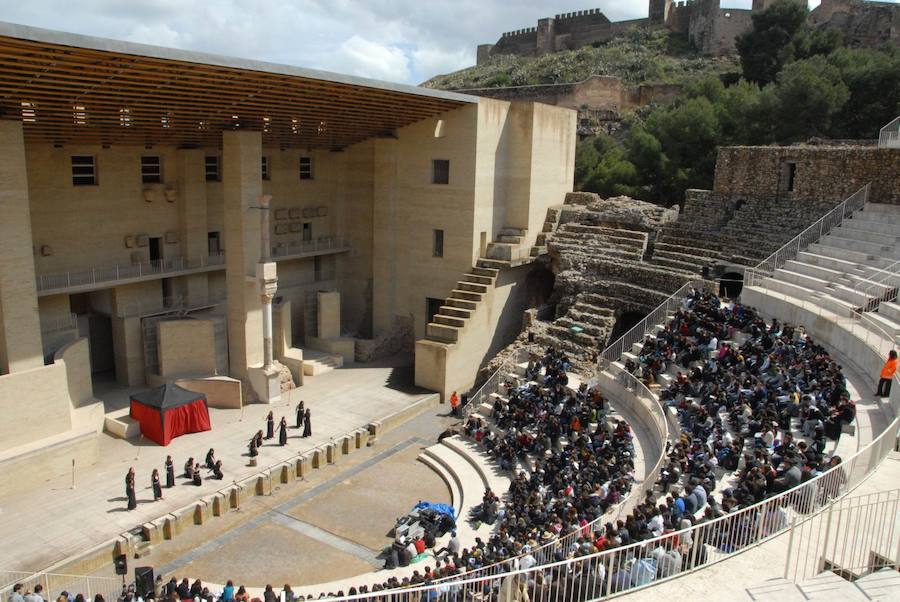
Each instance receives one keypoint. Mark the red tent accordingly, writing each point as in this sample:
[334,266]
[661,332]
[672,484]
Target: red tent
[170,411]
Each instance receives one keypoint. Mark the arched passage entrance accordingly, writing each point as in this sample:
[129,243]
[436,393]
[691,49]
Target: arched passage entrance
[625,322]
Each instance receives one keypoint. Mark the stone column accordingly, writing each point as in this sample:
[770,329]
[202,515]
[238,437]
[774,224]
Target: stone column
[267,278]
[190,194]
[20,327]
[242,181]
[384,247]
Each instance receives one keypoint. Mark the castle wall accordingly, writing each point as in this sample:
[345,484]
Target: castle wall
[822,173]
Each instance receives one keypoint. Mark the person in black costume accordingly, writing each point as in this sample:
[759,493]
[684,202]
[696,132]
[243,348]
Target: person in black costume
[270,426]
[307,425]
[282,431]
[157,488]
[170,472]
[129,489]
[300,411]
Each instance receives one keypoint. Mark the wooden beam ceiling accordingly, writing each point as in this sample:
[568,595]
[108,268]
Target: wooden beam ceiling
[68,94]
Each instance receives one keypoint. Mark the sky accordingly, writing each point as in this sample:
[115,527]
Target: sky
[405,41]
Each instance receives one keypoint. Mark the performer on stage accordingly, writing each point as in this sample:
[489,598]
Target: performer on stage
[157,488]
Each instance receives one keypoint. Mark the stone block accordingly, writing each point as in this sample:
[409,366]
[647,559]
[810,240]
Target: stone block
[285,472]
[151,532]
[345,444]
[330,453]
[264,484]
[219,503]
[317,457]
[301,466]
[359,438]
[202,512]
[170,526]
[234,496]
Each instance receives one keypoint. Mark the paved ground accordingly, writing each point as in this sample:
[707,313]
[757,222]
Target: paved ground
[288,537]
[48,521]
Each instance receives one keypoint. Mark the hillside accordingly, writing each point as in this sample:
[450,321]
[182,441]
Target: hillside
[640,56]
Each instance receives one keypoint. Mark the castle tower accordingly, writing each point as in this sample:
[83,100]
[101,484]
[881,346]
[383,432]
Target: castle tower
[659,11]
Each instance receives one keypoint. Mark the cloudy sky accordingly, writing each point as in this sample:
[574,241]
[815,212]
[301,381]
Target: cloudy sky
[405,41]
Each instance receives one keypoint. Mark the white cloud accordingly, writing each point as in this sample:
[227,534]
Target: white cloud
[359,56]
[401,40]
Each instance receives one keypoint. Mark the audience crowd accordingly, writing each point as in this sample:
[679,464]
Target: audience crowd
[756,404]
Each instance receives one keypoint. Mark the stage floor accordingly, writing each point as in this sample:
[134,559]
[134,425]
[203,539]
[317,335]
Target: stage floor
[47,521]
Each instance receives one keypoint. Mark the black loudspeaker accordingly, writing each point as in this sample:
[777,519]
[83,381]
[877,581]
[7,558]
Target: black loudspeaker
[121,563]
[143,581]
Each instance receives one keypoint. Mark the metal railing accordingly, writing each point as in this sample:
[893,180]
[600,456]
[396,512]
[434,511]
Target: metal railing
[854,536]
[53,584]
[624,343]
[889,136]
[492,384]
[821,227]
[300,248]
[103,275]
[643,564]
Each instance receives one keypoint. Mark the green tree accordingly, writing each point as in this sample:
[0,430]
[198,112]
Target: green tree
[873,79]
[766,47]
[810,93]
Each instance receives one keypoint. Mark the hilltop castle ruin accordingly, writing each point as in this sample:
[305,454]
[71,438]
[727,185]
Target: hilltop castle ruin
[711,28]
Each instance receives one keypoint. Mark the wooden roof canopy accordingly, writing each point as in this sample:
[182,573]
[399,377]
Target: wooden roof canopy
[68,88]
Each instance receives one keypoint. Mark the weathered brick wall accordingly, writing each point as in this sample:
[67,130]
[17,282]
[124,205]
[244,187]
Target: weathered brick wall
[822,173]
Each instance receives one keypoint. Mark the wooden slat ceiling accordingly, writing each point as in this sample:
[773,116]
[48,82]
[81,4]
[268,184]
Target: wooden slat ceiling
[70,94]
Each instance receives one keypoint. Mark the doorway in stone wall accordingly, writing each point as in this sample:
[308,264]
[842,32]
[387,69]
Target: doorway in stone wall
[731,284]
[625,322]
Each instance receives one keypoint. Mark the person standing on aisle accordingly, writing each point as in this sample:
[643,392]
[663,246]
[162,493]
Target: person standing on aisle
[129,489]
[887,375]
[157,488]
[300,409]
[170,472]
[270,426]
[282,432]
[454,404]
[307,425]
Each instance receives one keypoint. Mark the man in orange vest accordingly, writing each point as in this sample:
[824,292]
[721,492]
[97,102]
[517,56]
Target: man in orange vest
[887,375]
[454,404]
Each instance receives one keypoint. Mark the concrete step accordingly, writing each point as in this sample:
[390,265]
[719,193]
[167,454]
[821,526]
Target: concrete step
[837,252]
[513,240]
[497,264]
[442,332]
[479,279]
[474,287]
[456,495]
[873,223]
[316,363]
[466,295]
[890,310]
[846,230]
[835,264]
[449,320]
[839,291]
[884,323]
[491,272]
[858,246]
[882,584]
[506,231]
[800,279]
[461,303]
[456,312]
[121,425]
[490,473]
[813,270]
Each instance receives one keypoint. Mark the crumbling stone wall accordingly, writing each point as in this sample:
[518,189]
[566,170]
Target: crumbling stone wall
[821,173]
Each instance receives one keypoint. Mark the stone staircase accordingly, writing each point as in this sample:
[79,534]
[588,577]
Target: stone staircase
[855,268]
[883,584]
[316,363]
[508,251]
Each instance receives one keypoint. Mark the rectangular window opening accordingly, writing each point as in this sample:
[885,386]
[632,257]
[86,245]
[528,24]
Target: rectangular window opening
[212,168]
[306,168]
[151,170]
[440,171]
[437,244]
[84,170]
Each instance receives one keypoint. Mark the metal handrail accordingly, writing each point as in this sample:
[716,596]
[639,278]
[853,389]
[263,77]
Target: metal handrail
[810,235]
[889,135]
[106,274]
[310,247]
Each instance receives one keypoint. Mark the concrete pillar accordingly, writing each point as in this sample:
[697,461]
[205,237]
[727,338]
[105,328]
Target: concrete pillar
[242,181]
[192,224]
[329,314]
[385,259]
[20,326]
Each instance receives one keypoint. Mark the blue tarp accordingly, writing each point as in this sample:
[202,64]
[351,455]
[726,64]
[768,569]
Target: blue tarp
[442,508]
